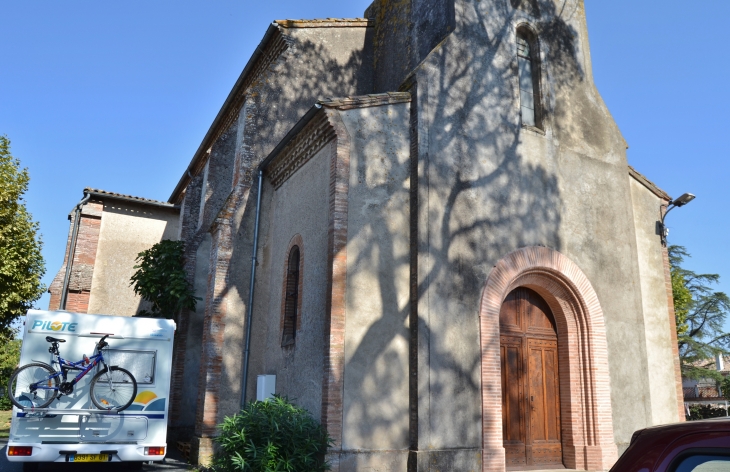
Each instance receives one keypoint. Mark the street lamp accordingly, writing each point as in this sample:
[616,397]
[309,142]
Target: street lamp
[680,202]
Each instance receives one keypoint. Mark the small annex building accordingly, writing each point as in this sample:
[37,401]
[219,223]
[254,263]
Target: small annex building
[107,230]
[455,266]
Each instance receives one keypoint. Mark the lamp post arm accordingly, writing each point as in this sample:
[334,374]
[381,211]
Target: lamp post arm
[663,228]
[669,208]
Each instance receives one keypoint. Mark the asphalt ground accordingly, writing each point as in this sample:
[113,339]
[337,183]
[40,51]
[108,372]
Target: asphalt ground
[174,461]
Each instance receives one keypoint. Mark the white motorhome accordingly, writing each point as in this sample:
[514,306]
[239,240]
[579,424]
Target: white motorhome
[71,429]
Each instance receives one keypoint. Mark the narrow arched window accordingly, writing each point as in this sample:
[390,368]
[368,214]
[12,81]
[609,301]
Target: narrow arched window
[528,66]
[291,297]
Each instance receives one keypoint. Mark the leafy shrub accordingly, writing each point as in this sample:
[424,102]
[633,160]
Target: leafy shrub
[701,412]
[269,436]
[161,280]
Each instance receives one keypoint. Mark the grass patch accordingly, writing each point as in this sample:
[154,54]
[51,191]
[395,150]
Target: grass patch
[5,423]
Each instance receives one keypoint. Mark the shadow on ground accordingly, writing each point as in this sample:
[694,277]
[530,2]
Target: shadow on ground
[173,462]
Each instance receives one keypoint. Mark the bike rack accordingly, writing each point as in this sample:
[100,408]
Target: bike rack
[41,412]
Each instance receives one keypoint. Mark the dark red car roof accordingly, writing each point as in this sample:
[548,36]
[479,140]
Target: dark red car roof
[655,449]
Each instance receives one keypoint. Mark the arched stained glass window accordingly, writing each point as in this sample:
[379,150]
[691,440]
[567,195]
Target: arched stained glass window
[291,298]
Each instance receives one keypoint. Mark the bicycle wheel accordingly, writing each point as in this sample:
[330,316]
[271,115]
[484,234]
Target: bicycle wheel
[113,388]
[21,386]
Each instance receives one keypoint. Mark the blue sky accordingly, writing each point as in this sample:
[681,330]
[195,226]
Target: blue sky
[118,96]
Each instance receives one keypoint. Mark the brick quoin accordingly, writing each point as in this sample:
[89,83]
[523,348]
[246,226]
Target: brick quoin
[334,355]
[673,327]
[78,302]
[188,233]
[209,380]
[181,332]
[84,259]
[211,366]
[587,425]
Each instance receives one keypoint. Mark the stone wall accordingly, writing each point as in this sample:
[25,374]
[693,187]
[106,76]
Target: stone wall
[406,31]
[375,413]
[664,379]
[488,186]
[297,210]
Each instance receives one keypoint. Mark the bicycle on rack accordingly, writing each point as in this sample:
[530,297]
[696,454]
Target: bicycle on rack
[36,385]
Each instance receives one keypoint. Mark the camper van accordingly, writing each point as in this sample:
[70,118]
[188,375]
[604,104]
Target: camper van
[71,428]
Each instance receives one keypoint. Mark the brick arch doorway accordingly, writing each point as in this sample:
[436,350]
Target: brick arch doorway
[530,381]
[586,426]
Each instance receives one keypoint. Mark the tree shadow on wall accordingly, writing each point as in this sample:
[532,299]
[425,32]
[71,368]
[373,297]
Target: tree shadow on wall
[485,197]
[482,194]
[306,72]
[279,102]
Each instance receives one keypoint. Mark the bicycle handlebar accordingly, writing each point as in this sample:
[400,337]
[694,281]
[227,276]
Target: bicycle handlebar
[102,343]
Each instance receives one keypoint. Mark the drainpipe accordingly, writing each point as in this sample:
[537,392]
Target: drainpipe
[72,250]
[249,315]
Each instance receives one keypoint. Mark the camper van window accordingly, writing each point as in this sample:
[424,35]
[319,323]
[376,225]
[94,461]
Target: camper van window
[140,363]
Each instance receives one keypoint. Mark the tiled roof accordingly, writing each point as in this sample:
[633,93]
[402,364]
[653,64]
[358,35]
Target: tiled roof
[121,196]
[325,23]
[649,184]
[711,364]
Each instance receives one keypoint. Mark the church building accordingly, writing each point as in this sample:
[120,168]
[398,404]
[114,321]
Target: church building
[424,224]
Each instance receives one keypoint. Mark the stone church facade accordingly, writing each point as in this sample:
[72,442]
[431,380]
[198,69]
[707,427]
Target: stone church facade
[456,268]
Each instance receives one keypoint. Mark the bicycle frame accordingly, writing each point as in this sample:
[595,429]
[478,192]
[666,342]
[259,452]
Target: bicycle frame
[67,366]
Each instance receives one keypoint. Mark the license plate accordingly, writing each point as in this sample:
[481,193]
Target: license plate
[89,458]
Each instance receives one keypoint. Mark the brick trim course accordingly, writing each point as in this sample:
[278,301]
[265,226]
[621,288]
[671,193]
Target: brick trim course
[313,138]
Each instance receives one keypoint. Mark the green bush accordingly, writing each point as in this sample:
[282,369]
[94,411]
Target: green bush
[272,436]
[701,412]
[9,358]
[161,280]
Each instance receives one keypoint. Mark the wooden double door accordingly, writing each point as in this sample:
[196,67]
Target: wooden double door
[530,384]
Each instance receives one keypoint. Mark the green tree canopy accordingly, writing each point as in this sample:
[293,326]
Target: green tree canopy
[21,262]
[701,313]
[161,280]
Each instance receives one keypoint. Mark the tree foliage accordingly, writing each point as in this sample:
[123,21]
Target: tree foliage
[21,262]
[703,412]
[9,358]
[161,280]
[701,313]
[272,436]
